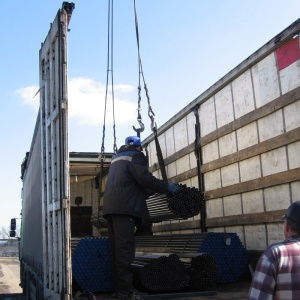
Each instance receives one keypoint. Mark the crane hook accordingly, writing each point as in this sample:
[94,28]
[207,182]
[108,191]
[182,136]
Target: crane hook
[139,130]
[153,123]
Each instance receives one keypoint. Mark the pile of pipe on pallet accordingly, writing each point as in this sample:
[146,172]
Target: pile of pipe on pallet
[213,254]
[91,265]
[169,273]
[193,261]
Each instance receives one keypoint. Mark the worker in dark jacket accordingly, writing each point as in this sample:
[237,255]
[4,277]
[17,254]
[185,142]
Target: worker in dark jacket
[126,191]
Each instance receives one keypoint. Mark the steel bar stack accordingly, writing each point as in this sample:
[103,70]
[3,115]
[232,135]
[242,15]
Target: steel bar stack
[175,243]
[229,252]
[169,273]
[165,273]
[185,204]
[203,271]
[226,248]
[91,265]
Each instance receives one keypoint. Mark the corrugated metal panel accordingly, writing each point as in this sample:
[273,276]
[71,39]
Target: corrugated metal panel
[45,250]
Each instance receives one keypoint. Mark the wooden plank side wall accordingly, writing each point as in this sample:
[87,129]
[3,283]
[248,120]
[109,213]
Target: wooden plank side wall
[250,145]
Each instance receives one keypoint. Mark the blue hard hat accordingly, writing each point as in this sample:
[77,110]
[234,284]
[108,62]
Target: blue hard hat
[133,140]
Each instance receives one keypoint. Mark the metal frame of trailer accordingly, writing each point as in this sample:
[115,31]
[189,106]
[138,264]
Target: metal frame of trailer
[45,241]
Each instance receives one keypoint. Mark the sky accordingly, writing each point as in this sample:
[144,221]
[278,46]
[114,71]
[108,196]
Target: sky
[186,46]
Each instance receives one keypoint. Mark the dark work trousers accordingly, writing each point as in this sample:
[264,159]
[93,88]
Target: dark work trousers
[122,247]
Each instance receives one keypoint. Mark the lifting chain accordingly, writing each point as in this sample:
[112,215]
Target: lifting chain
[109,71]
[141,74]
[150,111]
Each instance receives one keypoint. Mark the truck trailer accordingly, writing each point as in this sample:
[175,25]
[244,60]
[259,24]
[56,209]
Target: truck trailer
[238,143]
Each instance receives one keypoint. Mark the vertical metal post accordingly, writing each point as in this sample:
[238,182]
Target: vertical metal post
[199,162]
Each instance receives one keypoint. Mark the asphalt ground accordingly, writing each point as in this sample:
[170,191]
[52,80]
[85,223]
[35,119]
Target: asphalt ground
[9,276]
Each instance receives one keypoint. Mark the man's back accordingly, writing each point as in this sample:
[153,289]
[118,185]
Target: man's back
[277,275]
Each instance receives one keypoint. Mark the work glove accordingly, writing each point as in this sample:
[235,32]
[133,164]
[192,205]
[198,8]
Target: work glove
[173,188]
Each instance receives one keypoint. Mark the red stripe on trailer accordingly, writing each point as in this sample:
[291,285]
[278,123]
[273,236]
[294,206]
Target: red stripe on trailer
[288,53]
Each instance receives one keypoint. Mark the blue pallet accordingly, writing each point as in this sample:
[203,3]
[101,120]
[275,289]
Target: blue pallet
[229,252]
[91,265]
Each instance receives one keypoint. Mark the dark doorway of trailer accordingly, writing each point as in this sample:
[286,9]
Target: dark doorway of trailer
[81,221]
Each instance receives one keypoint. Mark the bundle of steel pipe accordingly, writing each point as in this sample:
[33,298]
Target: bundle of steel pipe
[203,271]
[227,249]
[229,252]
[158,273]
[165,273]
[91,265]
[178,243]
[186,203]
